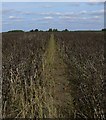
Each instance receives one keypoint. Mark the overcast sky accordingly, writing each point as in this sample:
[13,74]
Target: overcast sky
[45,15]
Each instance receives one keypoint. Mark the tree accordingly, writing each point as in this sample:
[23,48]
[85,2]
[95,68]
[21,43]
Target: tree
[104,29]
[16,31]
[36,30]
[55,30]
[50,30]
[31,30]
[66,30]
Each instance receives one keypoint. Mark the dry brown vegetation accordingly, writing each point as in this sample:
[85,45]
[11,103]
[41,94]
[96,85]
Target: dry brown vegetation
[22,66]
[53,76]
[84,55]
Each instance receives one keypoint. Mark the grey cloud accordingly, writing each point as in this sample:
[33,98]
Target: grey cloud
[11,11]
[48,17]
[83,12]
[73,4]
[47,6]
[98,12]
[6,11]
[94,3]
[15,19]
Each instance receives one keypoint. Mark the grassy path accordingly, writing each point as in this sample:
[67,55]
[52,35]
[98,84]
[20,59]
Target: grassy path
[56,81]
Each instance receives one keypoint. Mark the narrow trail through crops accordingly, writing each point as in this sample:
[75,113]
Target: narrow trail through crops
[56,76]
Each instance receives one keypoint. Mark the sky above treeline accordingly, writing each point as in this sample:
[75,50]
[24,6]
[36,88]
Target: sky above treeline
[45,15]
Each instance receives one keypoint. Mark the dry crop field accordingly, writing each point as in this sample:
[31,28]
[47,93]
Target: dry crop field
[53,75]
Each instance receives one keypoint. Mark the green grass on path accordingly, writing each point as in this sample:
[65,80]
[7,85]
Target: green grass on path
[55,78]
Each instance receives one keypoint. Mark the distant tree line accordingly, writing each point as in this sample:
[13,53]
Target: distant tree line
[55,30]
[104,29]
[37,30]
[16,31]
[50,30]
